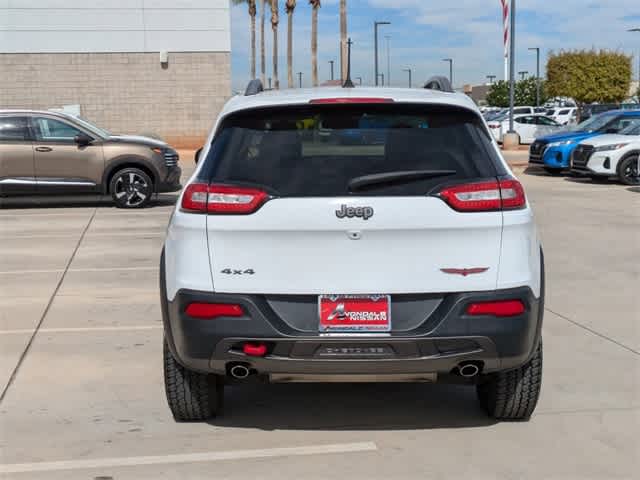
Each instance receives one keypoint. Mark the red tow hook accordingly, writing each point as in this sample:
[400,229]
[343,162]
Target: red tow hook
[254,349]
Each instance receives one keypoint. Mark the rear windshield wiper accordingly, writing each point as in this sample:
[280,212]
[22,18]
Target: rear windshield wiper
[395,178]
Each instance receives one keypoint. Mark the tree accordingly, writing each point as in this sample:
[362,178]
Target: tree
[275,20]
[252,16]
[263,55]
[290,6]
[315,4]
[525,94]
[343,40]
[589,76]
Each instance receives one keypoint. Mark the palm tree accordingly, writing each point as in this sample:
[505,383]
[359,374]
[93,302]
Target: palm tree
[343,39]
[252,15]
[315,4]
[263,60]
[290,6]
[274,26]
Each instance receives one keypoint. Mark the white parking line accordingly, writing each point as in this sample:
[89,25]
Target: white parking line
[188,458]
[132,328]
[83,270]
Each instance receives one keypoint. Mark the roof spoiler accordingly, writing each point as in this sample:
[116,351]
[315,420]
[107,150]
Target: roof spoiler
[254,88]
[439,83]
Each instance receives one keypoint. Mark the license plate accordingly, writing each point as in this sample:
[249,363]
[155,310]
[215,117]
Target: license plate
[354,313]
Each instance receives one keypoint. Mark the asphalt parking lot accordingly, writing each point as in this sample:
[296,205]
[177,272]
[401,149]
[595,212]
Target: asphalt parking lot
[81,370]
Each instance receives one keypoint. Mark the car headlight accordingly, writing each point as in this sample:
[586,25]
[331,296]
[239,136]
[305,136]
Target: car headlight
[562,144]
[609,148]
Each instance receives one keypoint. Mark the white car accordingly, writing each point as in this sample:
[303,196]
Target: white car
[290,259]
[528,127]
[606,156]
[566,116]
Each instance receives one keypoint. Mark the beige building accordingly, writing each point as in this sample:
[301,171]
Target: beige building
[132,66]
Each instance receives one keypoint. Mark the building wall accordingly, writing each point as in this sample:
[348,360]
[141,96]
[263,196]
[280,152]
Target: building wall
[105,56]
[124,92]
[114,25]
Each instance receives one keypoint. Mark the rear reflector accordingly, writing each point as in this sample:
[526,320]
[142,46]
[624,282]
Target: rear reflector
[485,196]
[502,308]
[214,310]
[254,349]
[325,101]
[203,198]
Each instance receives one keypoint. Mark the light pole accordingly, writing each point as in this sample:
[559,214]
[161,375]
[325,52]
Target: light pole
[388,39]
[375,41]
[523,74]
[512,66]
[409,71]
[637,30]
[491,78]
[450,60]
[381,75]
[300,79]
[331,62]
[537,50]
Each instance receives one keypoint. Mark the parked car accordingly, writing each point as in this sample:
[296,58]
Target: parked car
[277,261]
[48,153]
[566,116]
[605,156]
[528,127]
[553,152]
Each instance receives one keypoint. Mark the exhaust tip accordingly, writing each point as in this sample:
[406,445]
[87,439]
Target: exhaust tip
[468,370]
[240,371]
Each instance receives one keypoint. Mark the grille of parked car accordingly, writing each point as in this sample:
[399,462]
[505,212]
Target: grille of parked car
[581,155]
[536,151]
[171,158]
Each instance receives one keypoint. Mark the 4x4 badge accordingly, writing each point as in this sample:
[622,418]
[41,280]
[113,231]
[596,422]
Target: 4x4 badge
[350,212]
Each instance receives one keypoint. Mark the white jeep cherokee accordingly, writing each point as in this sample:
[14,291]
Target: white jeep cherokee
[610,155]
[395,246]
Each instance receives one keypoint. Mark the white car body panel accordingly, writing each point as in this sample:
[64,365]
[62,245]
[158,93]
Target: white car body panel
[597,160]
[299,246]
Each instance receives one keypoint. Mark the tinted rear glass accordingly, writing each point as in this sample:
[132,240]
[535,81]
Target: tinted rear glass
[318,150]
[13,128]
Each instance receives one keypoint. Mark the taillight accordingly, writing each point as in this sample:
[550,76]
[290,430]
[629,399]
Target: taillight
[210,311]
[485,196]
[203,198]
[501,308]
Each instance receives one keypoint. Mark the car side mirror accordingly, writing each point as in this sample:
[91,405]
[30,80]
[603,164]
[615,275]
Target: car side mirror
[196,157]
[83,140]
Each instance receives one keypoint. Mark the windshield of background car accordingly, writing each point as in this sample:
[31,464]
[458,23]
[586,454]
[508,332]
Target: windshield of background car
[633,129]
[595,123]
[317,150]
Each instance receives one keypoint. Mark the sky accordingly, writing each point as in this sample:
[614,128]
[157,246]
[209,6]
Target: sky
[423,32]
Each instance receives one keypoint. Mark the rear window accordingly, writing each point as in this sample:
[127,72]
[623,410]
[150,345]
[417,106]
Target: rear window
[320,150]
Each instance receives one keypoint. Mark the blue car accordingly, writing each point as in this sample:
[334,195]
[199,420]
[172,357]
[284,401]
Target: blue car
[553,152]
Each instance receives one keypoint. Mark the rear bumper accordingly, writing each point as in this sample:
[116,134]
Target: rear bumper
[445,339]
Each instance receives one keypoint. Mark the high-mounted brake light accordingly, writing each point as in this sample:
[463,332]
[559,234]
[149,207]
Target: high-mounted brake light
[209,311]
[485,196]
[221,199]
[361,100]
[501,308]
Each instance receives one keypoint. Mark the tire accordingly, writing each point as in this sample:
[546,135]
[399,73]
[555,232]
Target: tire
[131,188]
[553,171]
[513,395]
[192,396]
[628,170]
